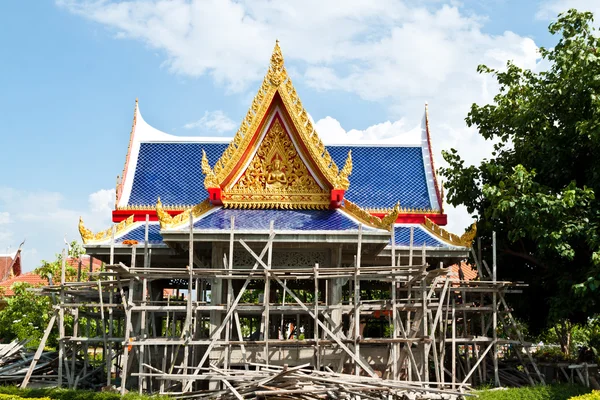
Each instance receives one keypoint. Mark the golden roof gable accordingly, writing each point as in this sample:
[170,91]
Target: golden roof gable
[225,175]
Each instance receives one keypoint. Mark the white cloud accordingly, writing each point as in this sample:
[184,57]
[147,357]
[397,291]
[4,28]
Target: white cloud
[43,219]
[213,121]
[550,9]
[394,52]
[331,131]
[4,218]
[102,201]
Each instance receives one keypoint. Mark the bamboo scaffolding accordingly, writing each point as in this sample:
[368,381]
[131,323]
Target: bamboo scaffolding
[160,344]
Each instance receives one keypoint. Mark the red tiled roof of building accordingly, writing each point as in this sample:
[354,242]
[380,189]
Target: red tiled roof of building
[85,263]
[464,272]
[29,277]
[36,280]
[10,264]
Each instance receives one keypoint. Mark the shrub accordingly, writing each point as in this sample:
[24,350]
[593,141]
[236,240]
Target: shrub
[549,392]
[14,393]
[595,395]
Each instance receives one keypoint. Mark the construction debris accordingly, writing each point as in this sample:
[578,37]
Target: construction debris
[266,382]
[15,360]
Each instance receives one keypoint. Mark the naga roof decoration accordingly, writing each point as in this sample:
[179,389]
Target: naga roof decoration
[465,240]
[167,221]
[89,237]
[364,216]
[289,167]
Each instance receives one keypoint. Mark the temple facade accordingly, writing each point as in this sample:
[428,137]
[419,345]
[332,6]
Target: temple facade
[237,249]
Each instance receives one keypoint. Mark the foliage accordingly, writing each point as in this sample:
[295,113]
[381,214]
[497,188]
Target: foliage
[595,395]
[25,316]
[548,392]
[53,269]
[15,393]
[551,354]
[538,189]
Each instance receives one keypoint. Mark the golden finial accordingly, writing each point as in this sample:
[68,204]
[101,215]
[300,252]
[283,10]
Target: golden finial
[276,67]
[86,234]
[164,217]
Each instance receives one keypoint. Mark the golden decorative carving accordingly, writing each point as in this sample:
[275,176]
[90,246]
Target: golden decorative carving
[86,234]
[362,215]
[210,180]
[278,81]
[88,237]
[169,222]
[342,181]
[275,74]
[164,218]
[390,218]
[465,240]
[276,177]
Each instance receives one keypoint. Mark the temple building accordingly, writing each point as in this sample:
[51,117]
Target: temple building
[273,237]
[276,168]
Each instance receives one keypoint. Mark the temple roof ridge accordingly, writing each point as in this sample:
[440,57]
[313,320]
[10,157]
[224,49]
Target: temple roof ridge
[430,172]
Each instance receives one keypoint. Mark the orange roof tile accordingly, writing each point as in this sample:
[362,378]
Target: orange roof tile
[464,272]
[10,263]
[29,277]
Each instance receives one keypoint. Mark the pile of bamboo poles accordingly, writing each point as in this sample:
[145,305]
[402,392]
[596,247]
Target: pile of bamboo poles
[301,382]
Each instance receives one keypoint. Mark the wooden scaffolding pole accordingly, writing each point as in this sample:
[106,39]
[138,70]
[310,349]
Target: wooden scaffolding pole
[495,313]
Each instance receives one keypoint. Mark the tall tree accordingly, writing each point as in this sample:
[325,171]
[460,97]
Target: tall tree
[537,190]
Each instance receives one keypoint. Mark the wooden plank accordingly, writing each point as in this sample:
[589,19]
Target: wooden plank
[38,352]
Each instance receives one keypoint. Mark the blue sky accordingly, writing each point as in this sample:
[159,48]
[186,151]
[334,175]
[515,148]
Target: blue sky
[70,72]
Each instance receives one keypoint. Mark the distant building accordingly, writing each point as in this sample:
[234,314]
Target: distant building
[34,279]
[10,265]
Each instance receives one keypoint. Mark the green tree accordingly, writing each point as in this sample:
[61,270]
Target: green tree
[537,190]
[25,316]
[53,269]
[27,313]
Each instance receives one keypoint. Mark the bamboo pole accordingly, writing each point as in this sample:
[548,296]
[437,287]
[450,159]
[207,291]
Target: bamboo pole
[495,313]
[393,289]
[316,324]
[61,320]
[357,302]
[142,385]
[108,348]
[453,343]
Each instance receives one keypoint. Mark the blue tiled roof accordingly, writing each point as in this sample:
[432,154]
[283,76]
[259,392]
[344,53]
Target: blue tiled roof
[172,171]
[402,235]
[138,233]
[297,220]
[381,175]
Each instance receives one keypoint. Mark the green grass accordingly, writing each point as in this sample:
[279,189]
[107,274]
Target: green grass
[14,393]
[549,392]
